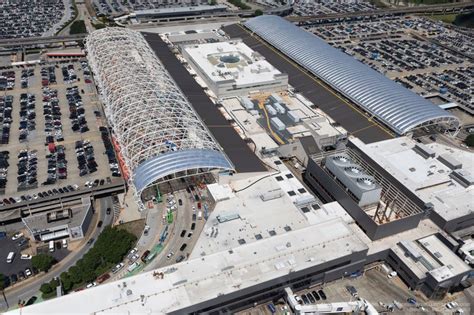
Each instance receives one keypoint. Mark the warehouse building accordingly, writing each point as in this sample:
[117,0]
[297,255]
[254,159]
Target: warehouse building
[381,98]
[158,134]
[232,69]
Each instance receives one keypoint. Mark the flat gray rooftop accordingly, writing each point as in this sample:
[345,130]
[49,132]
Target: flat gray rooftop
[205,278]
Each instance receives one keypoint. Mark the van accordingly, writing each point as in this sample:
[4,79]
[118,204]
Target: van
[51,246]
[200,215]
[10,257]
[64,243]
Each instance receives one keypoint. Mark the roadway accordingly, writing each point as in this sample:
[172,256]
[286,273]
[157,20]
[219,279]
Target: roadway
[425,9]
[26,289]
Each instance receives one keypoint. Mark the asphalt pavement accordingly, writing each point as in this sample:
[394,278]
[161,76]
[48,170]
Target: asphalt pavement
[31,286]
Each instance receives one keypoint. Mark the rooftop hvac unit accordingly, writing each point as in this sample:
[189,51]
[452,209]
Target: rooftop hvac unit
[354,171]
[410,249]
[294,116]
[247,103]
[463,177]
[275,98]
[272,194]
[341,160]
[450,161]
[366,182]
[279,108]
[424,151]
[278,124]
[271,110]
[354,178]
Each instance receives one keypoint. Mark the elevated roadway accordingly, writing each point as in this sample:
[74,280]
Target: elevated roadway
[14,212]
[439,8]
[40,40]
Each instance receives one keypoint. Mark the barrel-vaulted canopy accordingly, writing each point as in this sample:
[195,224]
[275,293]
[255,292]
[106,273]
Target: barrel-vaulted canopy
[159,133]
[397,107]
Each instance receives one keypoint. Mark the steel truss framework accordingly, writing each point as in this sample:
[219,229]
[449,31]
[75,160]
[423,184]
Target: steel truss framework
[160,135]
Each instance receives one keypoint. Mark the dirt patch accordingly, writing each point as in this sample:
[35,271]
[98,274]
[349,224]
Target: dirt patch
[135,227]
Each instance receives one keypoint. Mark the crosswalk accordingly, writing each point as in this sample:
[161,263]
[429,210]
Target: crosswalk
[115,207]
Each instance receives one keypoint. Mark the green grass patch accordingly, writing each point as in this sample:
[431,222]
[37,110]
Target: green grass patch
[239,4]
[78,27]
[462,20]
[446,18]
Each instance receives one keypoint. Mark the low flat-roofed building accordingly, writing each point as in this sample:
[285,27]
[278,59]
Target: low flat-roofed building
[232,278]
[441,179]
[428,265]
[231,68]
[70,220]
[273,205]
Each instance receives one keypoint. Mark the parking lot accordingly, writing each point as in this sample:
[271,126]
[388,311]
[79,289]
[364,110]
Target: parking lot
[307,8]
[54,136]
[19,19]
[16,270]
[418,53]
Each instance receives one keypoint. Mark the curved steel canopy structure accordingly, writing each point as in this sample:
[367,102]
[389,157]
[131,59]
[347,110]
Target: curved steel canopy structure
[160,135]
[398,108]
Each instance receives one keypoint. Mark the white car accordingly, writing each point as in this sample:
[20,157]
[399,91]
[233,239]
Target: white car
[169,255]
[17,236]
[451,305]
[28,272]
[132,252]
[392,274]
[25,256]
[90,285]
[133,259]
[75,187]
[117,268]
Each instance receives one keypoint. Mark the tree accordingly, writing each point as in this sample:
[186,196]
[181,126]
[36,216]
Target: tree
[42,262]
[212,2]
[258,12]
[74,274]
[3,281]
[66,281]
[469,141]
[46,288]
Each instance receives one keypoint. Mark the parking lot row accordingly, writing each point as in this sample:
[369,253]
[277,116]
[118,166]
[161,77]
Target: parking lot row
[409,51]
[22,18]
[308,8]
[60,150]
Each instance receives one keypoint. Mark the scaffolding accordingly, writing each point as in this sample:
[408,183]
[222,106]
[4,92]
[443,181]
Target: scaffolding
[159,135]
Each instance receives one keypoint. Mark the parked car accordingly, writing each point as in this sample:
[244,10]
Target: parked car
[17,236]
[180,258]
[117,267]
[25,256]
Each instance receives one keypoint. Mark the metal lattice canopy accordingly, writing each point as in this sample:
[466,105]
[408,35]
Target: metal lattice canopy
[399,108]
[159,133]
